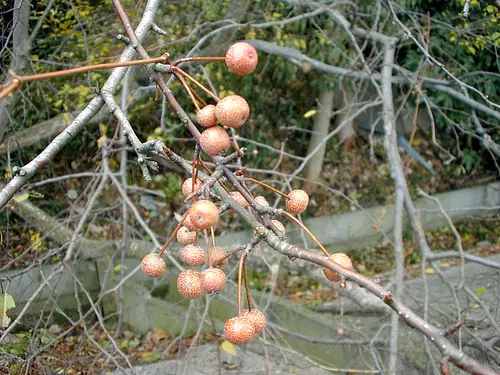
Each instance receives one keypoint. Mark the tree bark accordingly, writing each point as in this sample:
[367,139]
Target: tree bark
[20,50]
[320,131]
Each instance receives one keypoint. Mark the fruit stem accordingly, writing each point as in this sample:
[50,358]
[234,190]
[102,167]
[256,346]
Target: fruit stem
[247,288]
[213,235]
[267,186]
[196,82]
[197,59]
[297,221]
[240,272]
[187,88]
[179,225]
[207,244]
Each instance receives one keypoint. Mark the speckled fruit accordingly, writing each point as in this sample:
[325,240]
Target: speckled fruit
[206,116]
[187,186]
[214,140]
[185,236]
[342,260]
[262,201]
[204,214]
[242,58]
[216,254]
[238,197]
[153,265]
[239,330]
[279,225]
[189,284]
[193,255]
[232,111]
[297,201]
[213,280]
[257,318]
[189,224]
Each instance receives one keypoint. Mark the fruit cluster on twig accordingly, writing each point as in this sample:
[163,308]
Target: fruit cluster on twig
[203,214]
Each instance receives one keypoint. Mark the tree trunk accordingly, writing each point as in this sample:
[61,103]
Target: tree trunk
[320,131]
[20,51]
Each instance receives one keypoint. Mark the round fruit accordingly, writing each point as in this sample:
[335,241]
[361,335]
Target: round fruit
[242,58]
[193,255]
[216,254]
[239,330]
[189,284]
[297,201]
[238,197]
[187,186]
[232,111]
[206,116]
[214,140]
[342,260]
[257,318]
[279,225]
[153,265]
[204,214]
[185,236]
[213,280]
[262,201]
[189,224]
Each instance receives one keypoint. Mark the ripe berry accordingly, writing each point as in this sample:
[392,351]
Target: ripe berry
[153,265]
[279,225]
[214,140]
[232,111]
[204,214]
[213,280]
[185,236]
[193,255]
[189,284]
[342,260]
[262,201]
[239,330]
[257,318]
[189,224]
[187,186]
[206,116]
[242,58]
[238,197]
[297,201]
[216,254]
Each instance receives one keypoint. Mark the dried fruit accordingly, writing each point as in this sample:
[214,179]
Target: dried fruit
[232,111]
[214,140]
[206,116]
[153,265]
[242,58]
[187,186]
[193,255]
[297,201]
[279,225]
[238,197]
[262,201]
[189,284]
[239,330]
[185,236]
[342,260]
[213,280]
[216,254]
[257,318]
[204,214]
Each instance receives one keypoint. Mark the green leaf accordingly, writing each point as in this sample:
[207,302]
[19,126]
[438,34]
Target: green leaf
[480,291]
[7,302]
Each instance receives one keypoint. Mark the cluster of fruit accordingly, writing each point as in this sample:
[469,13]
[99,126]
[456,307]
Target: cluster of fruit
[203,214]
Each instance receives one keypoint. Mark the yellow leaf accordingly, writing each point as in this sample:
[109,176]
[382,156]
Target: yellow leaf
[67,118]
[149,356]
[21,197]
[228,348]
[101,140]
[310,113]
